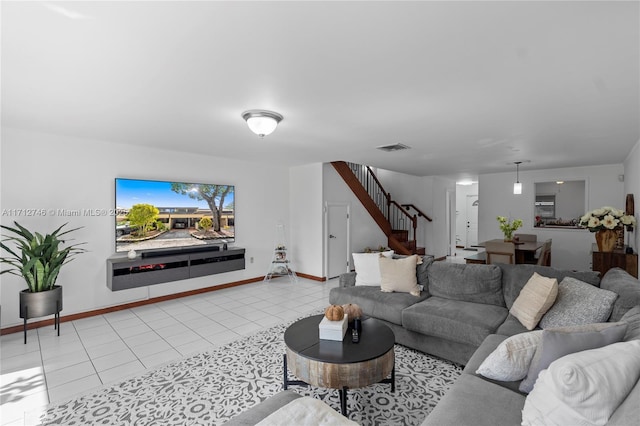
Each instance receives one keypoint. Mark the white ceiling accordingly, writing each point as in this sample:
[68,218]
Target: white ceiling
[470,86]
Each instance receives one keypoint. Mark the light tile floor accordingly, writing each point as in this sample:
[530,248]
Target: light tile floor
[108,348]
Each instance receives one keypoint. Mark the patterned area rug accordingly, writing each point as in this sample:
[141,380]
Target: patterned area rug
[211,387]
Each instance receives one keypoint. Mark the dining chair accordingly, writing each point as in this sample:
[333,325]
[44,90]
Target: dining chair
[544,258]
[500,252]
[526,237]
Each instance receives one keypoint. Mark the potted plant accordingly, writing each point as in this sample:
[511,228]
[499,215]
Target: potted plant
[605,222]
[38,259]
[508,227]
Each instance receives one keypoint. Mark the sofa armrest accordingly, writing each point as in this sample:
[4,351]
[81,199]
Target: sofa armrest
[348,279]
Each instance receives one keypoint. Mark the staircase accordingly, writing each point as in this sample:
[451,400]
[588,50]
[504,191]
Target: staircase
[394,219]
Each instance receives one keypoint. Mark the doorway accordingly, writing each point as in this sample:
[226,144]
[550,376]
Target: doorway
[472,221]
[337,240]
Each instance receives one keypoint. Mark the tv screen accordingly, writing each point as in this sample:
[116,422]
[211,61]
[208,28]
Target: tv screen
[154,215]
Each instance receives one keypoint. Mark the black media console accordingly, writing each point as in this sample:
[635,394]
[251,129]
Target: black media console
[124,273]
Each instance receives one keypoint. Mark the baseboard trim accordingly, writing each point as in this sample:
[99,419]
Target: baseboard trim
[102,311]
[310,277]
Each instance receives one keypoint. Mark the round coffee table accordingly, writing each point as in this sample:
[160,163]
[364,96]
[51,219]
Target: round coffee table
[339,365]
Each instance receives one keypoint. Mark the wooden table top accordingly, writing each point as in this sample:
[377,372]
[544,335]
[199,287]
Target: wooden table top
[520,245]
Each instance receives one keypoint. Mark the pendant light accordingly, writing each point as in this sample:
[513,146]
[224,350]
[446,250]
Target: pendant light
[517,186]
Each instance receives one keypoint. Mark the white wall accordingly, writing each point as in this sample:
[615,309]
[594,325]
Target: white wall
[632,186]
[57,172]
[435,193]
[305,183]
[571,248]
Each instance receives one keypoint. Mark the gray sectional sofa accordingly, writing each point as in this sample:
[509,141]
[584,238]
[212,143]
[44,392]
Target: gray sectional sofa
[462,314]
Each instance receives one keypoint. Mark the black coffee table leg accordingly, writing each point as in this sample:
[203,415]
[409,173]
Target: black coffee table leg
[343,401]
[284,369]
[393,377]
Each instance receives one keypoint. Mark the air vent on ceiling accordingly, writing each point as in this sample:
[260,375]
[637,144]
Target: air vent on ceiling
[394,147]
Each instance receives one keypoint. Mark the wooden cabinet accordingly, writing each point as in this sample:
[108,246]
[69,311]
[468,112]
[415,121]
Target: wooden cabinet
[602,261]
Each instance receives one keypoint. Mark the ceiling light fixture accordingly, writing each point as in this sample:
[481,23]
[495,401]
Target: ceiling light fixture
[262,122]
[517,186]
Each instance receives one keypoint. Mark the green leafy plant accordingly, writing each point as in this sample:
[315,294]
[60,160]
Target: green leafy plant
[206,223]
[37,258]
[508,227]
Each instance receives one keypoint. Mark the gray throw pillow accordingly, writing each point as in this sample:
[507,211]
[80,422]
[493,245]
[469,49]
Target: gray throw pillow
[560,342]
[578,303]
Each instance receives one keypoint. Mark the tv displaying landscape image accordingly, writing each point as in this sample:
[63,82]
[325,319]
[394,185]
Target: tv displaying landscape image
[154,215]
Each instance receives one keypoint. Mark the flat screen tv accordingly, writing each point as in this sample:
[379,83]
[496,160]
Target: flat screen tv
[159,215]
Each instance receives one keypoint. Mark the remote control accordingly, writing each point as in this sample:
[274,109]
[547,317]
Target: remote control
[355,337]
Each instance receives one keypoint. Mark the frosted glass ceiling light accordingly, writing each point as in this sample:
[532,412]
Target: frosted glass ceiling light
[261,122]
[517,186]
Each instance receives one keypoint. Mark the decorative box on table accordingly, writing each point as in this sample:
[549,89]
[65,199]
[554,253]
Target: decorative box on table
[332,330]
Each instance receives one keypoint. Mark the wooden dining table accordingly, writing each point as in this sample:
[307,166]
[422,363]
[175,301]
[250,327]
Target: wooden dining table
[524,250]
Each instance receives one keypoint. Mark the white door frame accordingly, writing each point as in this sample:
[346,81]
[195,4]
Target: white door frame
[326,235]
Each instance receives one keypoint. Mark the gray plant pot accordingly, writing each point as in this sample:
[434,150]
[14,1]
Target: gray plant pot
[34,305]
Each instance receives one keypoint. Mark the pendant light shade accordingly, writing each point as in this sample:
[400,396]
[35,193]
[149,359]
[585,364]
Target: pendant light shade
[517,186]
[261,122]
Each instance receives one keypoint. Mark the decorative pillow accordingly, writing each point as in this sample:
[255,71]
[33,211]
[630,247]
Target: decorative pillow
[511,359]
[584,387]
[399,275]
[578,303]
[306,411]
[535,299]
[367,268]
[558,343]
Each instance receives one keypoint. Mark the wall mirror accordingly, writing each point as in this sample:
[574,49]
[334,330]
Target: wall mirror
[559,203]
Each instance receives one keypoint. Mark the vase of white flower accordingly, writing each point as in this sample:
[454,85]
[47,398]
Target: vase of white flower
[605,222]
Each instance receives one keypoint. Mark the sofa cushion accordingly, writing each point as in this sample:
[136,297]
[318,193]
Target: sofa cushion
[632,318]
[514,277]
[399,275]
[535,299]
[367,269]
[475,401]
[464,322]
[584,387]
[511,326]
[578,303]
[375,303]
[510,361]
[469,283]
[560,342]
[626,286]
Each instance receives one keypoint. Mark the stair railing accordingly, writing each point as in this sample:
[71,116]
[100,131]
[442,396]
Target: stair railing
[396,215]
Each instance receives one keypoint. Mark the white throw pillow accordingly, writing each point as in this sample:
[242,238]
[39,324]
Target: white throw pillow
[399,275]
[306,411]
[584,388]
[511,359]
[367,267]
[534,300]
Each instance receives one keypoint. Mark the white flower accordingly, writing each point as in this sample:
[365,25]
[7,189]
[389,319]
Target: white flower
[628,220]
[585,218]
[610,222]
[594,222]
[617,213]
[601,211]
